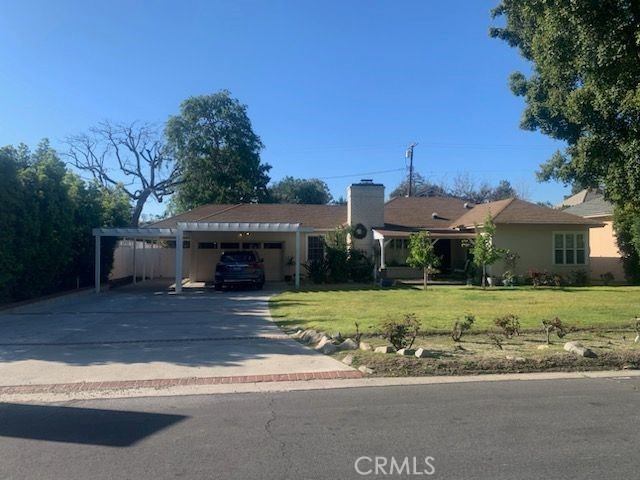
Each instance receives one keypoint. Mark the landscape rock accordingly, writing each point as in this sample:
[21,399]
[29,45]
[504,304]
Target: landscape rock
[365,347]
[348,360]
[385,349]
[297,334]
[310,336]
[348,344]
[421,353]
[323,341]
[520,359]
[637,339]
[328,349]
[406,351]
[337,336]
[580,350]
[543,347]
[366,370]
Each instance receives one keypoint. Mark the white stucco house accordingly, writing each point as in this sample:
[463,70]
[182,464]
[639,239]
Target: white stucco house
[289,235]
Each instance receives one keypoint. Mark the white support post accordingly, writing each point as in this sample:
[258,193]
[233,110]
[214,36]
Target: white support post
[179,241]
[382,259]
[297,271]
[144,259]
[97,268]
[153,258]
[135,272]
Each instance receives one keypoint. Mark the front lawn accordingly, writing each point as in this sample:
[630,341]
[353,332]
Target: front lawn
[337,309]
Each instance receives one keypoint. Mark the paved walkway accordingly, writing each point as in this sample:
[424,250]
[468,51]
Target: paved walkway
[147,334]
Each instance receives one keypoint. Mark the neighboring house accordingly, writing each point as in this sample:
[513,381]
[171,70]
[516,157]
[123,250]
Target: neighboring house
[288,236]
[605,256]
[581,197]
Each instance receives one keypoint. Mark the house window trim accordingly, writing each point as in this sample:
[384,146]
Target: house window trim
[322,237]
[575,248]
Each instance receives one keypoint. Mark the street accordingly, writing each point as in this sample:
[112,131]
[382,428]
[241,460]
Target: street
[558,429]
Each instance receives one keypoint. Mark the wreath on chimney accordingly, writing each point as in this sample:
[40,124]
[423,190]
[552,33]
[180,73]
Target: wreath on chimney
[359,231]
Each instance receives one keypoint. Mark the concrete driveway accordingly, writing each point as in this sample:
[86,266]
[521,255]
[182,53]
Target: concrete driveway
[146,332]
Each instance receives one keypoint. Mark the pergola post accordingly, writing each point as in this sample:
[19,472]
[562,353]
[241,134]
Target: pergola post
[153,260]
[297,270]
[382,259]
[179,241]
[135,271]
[97,265]
[144,259]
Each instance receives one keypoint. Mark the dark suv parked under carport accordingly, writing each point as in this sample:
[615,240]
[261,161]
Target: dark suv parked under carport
[242,267]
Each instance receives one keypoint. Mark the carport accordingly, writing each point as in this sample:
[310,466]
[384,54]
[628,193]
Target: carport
[184,228]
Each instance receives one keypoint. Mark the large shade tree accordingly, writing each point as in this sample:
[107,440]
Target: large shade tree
[300,190]
[214,143]
[583,89]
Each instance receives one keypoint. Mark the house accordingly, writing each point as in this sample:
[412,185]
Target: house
[604,254]
[288,236]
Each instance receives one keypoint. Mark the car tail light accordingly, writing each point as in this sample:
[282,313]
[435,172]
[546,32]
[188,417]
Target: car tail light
[255,265]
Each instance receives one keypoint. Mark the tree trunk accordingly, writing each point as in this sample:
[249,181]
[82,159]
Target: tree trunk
[137,211]
[425,277]
[484,275]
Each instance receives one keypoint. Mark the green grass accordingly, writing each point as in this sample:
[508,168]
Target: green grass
[337,308]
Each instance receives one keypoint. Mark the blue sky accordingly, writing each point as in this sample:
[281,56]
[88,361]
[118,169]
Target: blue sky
[335,89]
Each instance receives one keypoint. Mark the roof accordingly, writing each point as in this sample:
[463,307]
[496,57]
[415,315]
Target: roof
[315,216]
[582,196]
[418,212]
[598,207]
[515,211]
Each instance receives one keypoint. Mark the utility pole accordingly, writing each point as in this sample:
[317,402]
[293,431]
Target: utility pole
[409,155]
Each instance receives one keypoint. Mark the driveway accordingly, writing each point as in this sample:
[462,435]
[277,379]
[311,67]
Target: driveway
[146,332]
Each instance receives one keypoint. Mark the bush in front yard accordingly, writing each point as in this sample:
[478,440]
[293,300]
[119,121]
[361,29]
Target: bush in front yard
[509,324]
[461,326]
[401,333]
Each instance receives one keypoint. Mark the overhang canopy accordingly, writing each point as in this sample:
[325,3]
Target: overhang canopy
[135,232]
[241,227]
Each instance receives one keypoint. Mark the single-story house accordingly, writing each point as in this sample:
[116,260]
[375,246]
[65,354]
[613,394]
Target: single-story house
[288,236]
[605,256]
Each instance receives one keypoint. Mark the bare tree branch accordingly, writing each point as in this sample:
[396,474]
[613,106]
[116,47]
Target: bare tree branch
[130,156]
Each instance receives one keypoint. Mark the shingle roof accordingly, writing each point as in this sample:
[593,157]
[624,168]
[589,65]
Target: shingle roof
[417,212]
[582,196]
[315,216]
[598,207]
[515,211]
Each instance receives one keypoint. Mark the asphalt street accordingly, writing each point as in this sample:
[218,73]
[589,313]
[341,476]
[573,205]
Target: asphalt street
[558,429]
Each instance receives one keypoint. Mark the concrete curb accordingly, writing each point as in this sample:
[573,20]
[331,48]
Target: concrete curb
[185,389]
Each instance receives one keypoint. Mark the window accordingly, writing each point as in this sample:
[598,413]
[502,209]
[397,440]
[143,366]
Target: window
[315,248]
[272,245]
[172,244]
[207,245]
[251,245]
[569,248]
[399,244]
[229,245]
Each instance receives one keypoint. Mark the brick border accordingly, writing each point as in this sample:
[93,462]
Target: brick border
[175,382]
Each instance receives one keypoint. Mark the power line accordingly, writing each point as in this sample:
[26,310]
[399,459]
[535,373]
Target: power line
[362,173]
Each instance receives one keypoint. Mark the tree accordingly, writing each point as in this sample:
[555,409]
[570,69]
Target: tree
[219,153]
[300,190]
[422,254]
[466,188]
[485,253]
[421,188]
[583,88]
[140,155]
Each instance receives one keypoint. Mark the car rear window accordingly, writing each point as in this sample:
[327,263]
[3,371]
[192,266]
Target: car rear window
[235,257]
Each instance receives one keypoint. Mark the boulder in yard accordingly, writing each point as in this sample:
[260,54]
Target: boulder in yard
[406,351]
[323,341]
[348,360]
[310,336]
[328,349]
[297,334]
[385,349]
[542,347]
[580,350]
[366,370]
[421,353]
[365,347]
[348,344]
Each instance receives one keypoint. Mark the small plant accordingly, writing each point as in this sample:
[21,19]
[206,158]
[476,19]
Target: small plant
[318,271]
[511,260]
[553,325]
[401,333]
[557,279]
[579,278]
[607,278]
[461,326]
[358,335]
[637,327]
[496,340]
[508,279]
[509,324]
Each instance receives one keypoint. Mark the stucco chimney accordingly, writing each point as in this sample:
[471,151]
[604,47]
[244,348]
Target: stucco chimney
[365,206]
